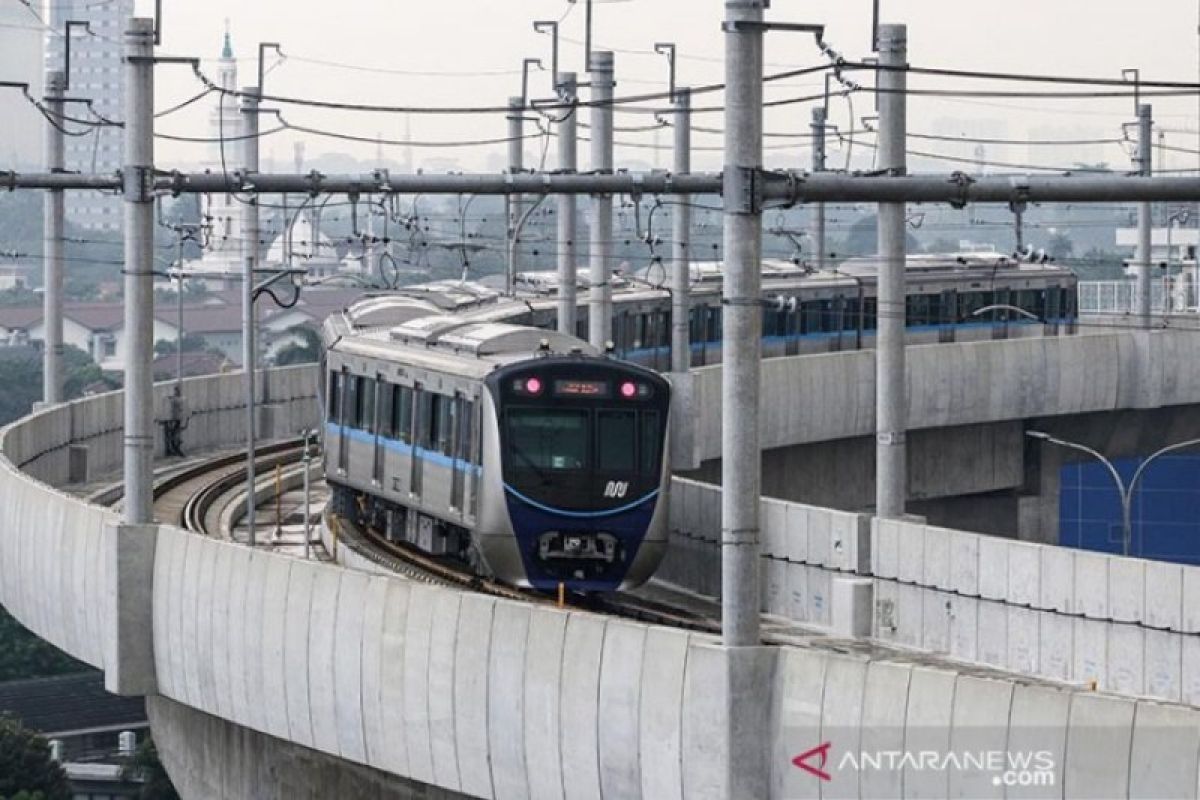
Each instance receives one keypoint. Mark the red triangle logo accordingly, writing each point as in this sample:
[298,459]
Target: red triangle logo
[821,751]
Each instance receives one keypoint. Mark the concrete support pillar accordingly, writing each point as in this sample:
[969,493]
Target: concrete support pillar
[129,611]
[818,165]
[742,345]
[1145,222]
[138,190]
[600,70]
[54,215]
[568,164]
[513,202]
[891,452]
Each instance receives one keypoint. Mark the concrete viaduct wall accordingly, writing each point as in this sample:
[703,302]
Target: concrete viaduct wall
[832,396]
[493,698]
[1130,625]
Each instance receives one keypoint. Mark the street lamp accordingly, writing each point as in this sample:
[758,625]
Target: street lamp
[1181,216]
[1125,491]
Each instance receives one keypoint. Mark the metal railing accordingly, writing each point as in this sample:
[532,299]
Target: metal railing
[1118,296]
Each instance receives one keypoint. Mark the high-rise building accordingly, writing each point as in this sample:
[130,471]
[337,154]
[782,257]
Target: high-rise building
[97,74]
[21,60]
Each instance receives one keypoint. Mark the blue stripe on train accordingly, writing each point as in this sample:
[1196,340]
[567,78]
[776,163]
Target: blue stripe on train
[395,445]
[846,334]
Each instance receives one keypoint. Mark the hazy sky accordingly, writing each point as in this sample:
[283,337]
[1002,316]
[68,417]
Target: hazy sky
[490,37]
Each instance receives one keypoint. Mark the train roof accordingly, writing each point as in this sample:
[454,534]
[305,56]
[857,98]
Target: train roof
[474,340]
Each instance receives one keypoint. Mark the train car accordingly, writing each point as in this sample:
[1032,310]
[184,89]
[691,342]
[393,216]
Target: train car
[521,451]
[808,311]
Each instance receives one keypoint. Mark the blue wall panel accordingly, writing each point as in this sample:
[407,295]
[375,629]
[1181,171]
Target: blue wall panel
[1166,508]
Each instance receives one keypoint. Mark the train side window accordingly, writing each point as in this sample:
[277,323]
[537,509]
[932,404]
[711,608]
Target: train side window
[385,415]
[696,319]
[714,324]
[870,313]
[353,391]
[402,408]
[334,395]
[429,420]
[449,419]
[651,441]
[616,441]
[466,429]
[366,404]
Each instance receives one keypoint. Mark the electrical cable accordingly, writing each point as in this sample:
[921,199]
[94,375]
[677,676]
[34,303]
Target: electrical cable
[456,110]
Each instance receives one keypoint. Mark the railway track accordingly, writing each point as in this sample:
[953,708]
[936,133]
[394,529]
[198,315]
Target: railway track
[185,495]
[195,501]
[412,563]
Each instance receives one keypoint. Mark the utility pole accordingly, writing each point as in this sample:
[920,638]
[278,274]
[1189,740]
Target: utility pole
[891,452]
[600,70]
[248,345]
[516,165]
[1145,220]
[250,99]
[818,165]
[1018,210]
[681,273]
[54,215]
[179,239]
[138,190]
[568,164]
[682,418]
[741,467]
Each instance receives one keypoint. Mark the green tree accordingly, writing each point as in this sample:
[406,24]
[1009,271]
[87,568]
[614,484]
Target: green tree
[21,378]
[23,655]
[192,343]
[306,351]
[145,765]
[26,769]
[1060,246]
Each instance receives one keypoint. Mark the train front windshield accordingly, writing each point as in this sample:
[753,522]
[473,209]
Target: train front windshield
[582,436]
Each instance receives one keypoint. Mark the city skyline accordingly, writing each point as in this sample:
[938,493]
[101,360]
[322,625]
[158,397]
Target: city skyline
[426,56]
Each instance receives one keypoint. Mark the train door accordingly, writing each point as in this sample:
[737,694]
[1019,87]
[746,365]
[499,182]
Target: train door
[1054,310]
[420,419]
[947,323]
[699,336]
[381,395]
[471,447]
[662,340]
[837,323]
[458,463]
[1000,316]
[345,403]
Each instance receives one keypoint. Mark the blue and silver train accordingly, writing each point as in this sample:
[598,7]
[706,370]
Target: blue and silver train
[520,451]
[460,421]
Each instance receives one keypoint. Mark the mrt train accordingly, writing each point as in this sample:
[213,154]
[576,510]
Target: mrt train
[521,451]
[807,311]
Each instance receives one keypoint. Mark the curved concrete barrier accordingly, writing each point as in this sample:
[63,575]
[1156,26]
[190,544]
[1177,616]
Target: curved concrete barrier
[309,663]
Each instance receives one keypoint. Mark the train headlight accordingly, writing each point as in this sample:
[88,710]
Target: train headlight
[628,390]
[533,385]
